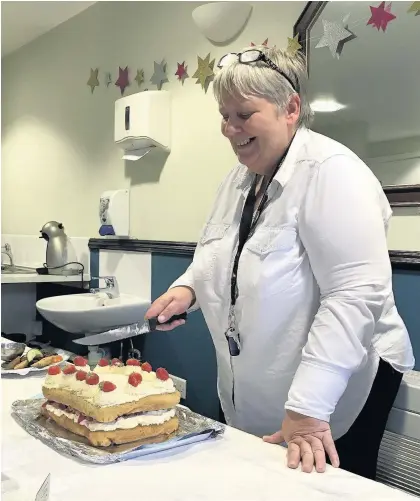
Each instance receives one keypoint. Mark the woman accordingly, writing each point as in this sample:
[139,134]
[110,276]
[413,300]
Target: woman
[293,277]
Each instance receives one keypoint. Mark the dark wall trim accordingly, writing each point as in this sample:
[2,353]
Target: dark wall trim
[150,246]
[405,260]
[404,195]
[408,260]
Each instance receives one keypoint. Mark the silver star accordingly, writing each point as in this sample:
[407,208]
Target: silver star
[159,76]
[334,35]
[351,37]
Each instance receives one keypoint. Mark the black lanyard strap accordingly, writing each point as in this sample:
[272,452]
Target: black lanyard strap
[246,227]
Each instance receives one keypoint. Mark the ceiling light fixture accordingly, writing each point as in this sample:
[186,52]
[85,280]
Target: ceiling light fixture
[221,21]
[326,105]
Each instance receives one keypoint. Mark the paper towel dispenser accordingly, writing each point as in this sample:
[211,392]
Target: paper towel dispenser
[143,122]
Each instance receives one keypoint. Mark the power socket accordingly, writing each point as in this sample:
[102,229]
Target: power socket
[181,385]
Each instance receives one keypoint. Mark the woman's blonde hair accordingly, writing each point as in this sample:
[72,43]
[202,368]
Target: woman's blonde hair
[258,79]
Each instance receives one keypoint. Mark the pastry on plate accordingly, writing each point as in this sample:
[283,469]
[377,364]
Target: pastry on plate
[33,358]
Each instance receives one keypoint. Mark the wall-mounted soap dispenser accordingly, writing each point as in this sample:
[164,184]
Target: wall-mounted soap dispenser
[143,122]
[114,213]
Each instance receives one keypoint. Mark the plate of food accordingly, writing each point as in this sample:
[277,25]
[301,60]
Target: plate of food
[20,359]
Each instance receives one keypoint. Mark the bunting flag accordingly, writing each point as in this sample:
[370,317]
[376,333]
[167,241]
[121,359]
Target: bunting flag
[381,16]
[93,79]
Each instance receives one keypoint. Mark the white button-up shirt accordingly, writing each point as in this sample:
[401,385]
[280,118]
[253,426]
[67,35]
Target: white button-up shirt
[315,308]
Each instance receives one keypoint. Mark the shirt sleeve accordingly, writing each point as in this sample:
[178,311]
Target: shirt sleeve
[343,231]
[187,280]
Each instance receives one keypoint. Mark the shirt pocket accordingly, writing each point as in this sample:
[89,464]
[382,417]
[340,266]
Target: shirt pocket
[270,262]
[267,240]
[208,250]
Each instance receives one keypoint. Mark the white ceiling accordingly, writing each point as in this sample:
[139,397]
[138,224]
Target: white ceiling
[22,22]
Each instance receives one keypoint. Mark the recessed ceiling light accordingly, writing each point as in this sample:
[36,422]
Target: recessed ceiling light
[326,105]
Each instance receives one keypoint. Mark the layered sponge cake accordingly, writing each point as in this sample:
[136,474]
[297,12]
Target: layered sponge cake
[112,404]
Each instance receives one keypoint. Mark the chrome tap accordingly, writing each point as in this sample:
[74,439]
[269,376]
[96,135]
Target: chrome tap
[6,249]
[111,289]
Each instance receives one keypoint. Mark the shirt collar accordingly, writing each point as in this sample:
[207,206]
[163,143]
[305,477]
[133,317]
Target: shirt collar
[244,177]
[294,155]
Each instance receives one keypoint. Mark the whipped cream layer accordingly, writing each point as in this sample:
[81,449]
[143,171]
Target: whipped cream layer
[124,391]
[122,423]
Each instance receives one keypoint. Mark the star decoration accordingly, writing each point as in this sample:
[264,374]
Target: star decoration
[122,81]
[415,7]
[181,72]
[293,45]
[335,36]
[139,77]
[204,73]
[93,79]
[265,43]
[159,76]
[351,37]
[381,16]
[108,79]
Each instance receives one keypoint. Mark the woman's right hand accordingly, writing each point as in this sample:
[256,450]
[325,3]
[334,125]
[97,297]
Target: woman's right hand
[173,302]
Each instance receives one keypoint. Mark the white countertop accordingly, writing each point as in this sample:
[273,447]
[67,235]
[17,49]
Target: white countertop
[22,278]
[236,466]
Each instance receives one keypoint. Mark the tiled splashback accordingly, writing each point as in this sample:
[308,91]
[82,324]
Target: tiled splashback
[30,250]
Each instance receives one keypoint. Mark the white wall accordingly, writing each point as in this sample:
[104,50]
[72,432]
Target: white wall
[58,151]
[133,271]
[30,250]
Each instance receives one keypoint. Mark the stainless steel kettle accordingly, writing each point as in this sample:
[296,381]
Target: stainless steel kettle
[59,251]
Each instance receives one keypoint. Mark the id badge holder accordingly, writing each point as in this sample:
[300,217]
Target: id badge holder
[232,336]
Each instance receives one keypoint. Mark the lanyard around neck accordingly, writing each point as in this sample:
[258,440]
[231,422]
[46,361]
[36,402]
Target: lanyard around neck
[246,226]
[248,223]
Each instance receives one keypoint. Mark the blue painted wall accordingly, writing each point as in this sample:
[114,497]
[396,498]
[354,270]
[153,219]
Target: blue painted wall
[187,351]
[407,299]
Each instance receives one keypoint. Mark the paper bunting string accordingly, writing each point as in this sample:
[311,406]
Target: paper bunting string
[93,79]
[139,77]
[108,79]
[204,73]
[181,72]
[293,46]
[381,16]
[122,81]
[335,36]
[415,7]
[159,76]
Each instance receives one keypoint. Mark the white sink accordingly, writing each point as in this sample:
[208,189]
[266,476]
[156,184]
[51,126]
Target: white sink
[92,313]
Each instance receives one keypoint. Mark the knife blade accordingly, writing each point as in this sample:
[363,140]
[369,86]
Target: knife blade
[125,332]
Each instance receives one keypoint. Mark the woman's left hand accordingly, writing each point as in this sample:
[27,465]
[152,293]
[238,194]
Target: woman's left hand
[308,440]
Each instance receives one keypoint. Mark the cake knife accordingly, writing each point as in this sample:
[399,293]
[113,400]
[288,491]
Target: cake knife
[126,331]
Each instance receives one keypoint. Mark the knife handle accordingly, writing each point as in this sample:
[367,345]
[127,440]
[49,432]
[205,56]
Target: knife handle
[153,322]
